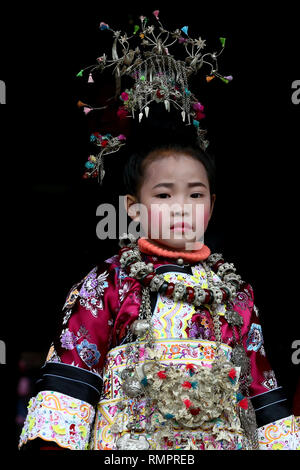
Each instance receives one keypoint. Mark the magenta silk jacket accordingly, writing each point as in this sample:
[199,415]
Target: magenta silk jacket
[96,317]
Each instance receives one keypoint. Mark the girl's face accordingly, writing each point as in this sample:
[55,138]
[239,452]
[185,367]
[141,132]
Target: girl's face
[174,201]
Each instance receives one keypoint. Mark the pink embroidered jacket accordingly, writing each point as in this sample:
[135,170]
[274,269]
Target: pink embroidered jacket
[96,317]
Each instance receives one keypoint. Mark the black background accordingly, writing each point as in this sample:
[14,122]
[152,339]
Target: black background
[48,212]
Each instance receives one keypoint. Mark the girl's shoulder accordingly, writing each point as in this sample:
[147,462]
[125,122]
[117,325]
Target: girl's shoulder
[95,282]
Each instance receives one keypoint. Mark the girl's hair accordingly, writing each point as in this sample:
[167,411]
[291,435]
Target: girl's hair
[162,131]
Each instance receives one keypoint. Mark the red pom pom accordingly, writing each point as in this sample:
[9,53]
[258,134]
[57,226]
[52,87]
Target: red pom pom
[200,115]
[168,442]
[161,374]
[232,374]
[124,96]
[187,384]
[194,411]
[190,368]
[187,403]
[244,403]
[122,112]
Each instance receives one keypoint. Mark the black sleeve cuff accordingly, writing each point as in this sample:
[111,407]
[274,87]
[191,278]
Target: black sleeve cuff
[70,380]
[271,406]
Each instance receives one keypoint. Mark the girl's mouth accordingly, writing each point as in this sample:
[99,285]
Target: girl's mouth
[180,227]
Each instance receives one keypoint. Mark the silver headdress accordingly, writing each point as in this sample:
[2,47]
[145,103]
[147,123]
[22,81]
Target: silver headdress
[158,77]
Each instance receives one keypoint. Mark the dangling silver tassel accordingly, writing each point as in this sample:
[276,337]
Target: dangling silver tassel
[117,72]
[101,171]
[151,75]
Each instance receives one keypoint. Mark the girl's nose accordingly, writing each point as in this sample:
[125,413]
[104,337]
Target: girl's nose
[180,209]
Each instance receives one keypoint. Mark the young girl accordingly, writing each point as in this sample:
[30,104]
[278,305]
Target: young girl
[161,346]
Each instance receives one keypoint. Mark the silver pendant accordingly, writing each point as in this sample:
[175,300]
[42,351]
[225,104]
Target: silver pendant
[126,373]
[140,327]
[240,359]
[116,427]
[234,318]
[132,442]
[248,419]
[132,387]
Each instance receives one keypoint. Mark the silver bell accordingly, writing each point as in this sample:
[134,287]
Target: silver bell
[132,387]
[126,373]
[140,327]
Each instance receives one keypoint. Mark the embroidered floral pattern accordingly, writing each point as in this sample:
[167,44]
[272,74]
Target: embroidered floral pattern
[255,338]
[124,290]
[72,297]
[92,290]
[88,353]
[242,299]
[52,355]
[200,326]
[68,339]
[67,316]
[270,381]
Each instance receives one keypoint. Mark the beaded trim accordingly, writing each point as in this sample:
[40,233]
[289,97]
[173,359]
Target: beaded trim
[223,292]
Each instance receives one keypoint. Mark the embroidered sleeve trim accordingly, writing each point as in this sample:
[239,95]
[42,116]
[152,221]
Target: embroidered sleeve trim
[281,434]
[59,418]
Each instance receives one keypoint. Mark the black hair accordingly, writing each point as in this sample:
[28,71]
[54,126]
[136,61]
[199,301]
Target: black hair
[162,130]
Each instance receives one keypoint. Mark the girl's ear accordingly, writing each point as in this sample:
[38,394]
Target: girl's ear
[132,207]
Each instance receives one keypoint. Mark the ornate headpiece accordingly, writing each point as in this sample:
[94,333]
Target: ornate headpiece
[158,77]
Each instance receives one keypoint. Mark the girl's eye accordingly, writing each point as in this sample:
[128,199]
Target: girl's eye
[163,195]
[197,195]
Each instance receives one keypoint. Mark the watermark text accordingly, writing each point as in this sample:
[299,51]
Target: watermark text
[296,353]
[296,94]
[185,223]
[2,92]
[2,352]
